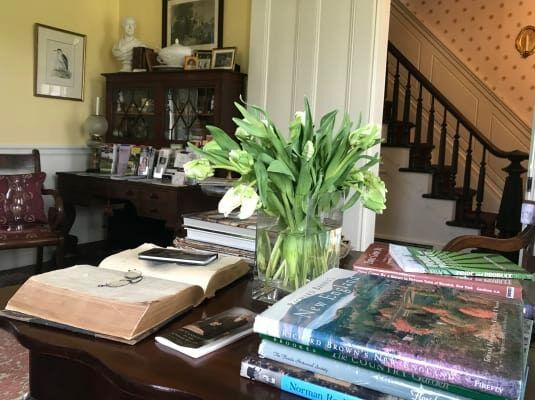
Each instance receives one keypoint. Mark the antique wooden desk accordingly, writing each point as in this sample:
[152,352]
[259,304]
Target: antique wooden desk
[163,202]
[65,365]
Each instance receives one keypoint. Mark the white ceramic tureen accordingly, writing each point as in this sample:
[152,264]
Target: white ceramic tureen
[173,56]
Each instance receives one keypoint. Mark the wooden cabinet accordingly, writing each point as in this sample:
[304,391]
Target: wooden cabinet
[160,108]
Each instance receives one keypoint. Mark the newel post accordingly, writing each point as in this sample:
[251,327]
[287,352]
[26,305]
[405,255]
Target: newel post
[508,221]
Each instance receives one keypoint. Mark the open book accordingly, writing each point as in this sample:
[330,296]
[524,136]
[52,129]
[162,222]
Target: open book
[83,298]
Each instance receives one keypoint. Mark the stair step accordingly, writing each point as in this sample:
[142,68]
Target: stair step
[399,133]
[439,196]
[419,170]
[486,222]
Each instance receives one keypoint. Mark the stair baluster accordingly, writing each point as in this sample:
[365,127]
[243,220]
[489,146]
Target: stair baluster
[418,130]
[442,146]
[395,95]
[431,122]
[466,200]
[481,184]
[407,106]
[454,160]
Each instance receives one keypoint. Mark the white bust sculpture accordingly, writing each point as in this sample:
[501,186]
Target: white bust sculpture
[123,49]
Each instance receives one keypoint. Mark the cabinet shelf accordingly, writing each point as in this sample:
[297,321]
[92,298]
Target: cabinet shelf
[216,90]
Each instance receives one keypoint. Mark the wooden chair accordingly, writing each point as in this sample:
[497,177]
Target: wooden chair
[33,232]
[523,241]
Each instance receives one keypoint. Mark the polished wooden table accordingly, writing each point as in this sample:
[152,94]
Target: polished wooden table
[65,365]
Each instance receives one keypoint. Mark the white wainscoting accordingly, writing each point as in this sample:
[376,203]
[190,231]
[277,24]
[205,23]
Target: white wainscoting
[88,226]
[334,52]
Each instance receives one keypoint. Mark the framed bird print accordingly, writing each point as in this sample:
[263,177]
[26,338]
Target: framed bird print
[59,63]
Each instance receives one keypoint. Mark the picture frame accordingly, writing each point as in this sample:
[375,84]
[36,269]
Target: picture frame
[191,62]
[204,58]
[223,58]
[59,63]
[197,24]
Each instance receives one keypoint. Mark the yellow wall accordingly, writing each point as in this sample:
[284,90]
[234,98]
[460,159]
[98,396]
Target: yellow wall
[27,119]
[30,120]
[236,22]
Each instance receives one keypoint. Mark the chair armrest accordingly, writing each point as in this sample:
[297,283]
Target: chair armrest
[56,213]
[518,242]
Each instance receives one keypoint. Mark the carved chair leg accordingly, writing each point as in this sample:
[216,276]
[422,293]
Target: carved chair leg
[60,255]
[39,260]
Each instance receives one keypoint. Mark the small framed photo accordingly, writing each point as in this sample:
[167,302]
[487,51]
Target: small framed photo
[59,63]
[204,58]
[191,62]
[223,58]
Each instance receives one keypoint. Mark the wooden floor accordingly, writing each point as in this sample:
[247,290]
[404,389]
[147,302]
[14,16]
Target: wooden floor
[88,253]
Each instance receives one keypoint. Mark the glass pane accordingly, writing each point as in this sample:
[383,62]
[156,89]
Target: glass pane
[133,114]
[187,112]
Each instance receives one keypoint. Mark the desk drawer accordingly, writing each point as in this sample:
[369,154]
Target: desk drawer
[160,204]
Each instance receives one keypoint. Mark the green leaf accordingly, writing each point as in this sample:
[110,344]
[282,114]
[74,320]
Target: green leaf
[261,180]
[281,168]
[351,201]
[254,130]
[222,139]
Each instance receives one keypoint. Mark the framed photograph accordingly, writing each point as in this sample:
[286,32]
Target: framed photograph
[59,63]
[223,58]
[197,24]
[204,58]
[191,62]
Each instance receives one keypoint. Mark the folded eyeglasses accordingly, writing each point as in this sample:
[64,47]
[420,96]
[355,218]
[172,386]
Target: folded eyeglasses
[130,277]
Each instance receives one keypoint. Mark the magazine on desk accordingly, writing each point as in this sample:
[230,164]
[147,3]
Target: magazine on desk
[102,301]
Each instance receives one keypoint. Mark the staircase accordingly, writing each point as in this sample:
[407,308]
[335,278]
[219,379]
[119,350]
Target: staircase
[428,136]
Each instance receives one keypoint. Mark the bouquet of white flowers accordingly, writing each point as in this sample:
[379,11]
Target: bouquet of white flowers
[295,180]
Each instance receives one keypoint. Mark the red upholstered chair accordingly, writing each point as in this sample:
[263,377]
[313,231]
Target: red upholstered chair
[25,225]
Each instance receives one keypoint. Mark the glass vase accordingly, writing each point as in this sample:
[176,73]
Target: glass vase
[288,257]
[16,203]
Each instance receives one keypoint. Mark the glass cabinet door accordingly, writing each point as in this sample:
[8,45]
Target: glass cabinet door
[133,114]
[187,112]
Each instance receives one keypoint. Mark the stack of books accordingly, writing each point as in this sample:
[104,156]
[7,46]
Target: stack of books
[349,335]
[212,231]
[127,161]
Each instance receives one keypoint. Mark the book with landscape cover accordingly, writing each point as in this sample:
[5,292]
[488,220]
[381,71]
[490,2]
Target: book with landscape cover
[214,221]
[374,376]
[376,260]
[79,297]
[468,339]
[440,262]
[209,334]
[304,383]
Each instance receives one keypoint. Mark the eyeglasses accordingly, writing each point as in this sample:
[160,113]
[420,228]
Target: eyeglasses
[130,277]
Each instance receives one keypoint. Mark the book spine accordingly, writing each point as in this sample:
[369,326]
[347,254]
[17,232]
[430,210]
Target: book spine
[481,274]
[341,350]
[288,380]
[505,291]
[368,374]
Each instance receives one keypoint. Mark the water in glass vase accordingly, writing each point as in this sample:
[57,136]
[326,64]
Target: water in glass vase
[289,257]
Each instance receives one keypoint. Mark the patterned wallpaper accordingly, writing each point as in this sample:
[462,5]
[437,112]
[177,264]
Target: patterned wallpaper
[482,34]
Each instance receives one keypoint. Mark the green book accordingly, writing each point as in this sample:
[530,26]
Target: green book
[440,262]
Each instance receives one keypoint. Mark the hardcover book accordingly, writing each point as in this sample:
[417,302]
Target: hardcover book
[105,302]
[214,221]
[489,265]
[304,383]
[376,260]
[374,376]
[468,339]
[209,334]
[239,242]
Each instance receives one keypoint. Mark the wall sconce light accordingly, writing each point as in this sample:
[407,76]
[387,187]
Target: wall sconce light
[525,41]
